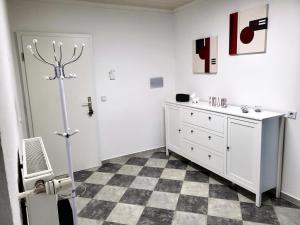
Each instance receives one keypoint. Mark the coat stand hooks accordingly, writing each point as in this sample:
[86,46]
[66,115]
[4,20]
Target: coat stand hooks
[59,74]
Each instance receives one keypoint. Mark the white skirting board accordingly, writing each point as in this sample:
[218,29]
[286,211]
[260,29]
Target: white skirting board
[290,198]
[131,154]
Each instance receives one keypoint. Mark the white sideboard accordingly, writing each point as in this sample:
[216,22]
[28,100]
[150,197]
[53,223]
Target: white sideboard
[245,148]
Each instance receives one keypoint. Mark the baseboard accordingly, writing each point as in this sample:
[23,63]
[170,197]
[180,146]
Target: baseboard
[290,198]
[132,154]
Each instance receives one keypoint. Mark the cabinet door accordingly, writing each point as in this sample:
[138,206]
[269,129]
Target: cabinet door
[173,127]
[243,146]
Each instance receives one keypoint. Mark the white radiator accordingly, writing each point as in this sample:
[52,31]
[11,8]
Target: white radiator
[41,208]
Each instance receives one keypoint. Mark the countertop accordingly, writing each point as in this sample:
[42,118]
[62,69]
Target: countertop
[230,110]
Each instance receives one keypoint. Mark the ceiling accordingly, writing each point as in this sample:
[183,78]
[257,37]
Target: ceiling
[155,4]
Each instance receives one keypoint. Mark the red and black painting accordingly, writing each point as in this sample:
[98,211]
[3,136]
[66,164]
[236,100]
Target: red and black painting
[248,31]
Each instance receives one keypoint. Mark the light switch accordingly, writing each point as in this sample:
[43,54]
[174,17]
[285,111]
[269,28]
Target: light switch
[112,75]
[103,98]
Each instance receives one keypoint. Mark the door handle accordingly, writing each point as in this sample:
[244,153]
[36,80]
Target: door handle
[89,104]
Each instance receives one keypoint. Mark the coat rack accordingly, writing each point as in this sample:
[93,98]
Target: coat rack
[59,74]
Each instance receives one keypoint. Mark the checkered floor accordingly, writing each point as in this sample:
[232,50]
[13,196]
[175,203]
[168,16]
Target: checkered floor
[151,189]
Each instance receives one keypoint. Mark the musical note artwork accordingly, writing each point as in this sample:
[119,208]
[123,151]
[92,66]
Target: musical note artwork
[248,31]
[205,53]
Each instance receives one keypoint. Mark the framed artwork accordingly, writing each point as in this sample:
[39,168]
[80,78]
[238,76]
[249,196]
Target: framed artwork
[205,52]
[248,31]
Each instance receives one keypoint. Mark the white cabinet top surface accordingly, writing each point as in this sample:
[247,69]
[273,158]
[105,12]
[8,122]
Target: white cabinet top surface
[230,110]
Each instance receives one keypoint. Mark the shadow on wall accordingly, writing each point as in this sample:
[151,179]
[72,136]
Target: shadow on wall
[5,208]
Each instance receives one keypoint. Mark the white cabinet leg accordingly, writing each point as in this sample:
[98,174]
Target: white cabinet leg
[278,191]
[280,156]
[258,200]
[167,152]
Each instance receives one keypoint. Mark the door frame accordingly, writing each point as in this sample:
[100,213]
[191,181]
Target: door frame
[23,84]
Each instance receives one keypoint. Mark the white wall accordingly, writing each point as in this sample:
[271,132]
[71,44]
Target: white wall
[137,44]
[8,123]
[271,80]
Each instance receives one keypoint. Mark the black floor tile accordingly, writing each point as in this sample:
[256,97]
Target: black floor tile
[159,155]
[110,168]
[223,192]
[151,172]
[121,180]
[137,161]
[192,204]
[155,216]
[87,190]
[136,196]
[212,220]
[196,176]
[176,164]
[263,214]
[172,186]
[81,176]
[97,210]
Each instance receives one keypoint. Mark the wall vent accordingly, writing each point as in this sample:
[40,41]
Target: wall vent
[156,82]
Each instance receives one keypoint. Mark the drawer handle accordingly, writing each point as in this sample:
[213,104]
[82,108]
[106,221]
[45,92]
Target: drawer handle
[192,131]
[192,148]
[209,137]
[228,148]
[179,130]
[209,156]
[192,113]
[209,118]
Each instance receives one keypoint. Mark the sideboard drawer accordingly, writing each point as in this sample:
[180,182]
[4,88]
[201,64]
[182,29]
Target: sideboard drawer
[203,138]
[202,156]
[203,119]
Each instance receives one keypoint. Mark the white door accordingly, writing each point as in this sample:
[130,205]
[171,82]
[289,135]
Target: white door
[43,103]
[241,155]
[173,128]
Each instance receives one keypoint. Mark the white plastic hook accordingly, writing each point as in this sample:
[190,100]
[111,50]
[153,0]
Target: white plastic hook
[29,47]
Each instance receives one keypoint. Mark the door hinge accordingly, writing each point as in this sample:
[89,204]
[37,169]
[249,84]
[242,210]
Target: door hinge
[23,56]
